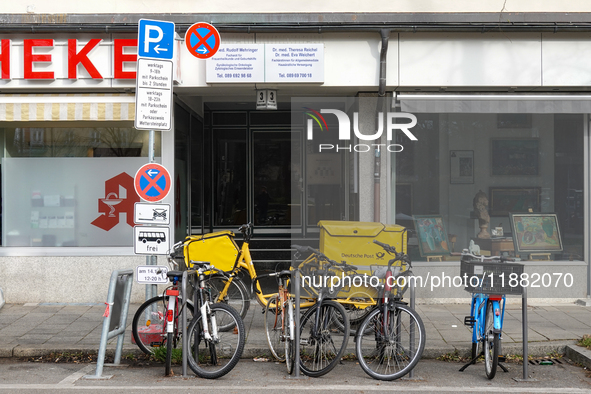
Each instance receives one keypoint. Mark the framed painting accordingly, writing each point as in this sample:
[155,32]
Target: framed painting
[432,235]
[461,166]
[515,156]
[535,232]
[504,200]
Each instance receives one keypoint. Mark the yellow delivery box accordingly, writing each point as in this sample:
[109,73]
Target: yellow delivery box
[353,241]
[218,248]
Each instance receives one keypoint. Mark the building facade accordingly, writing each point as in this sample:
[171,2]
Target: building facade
[499,97]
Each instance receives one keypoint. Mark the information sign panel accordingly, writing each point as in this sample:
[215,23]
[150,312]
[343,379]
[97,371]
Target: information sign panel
[294,63]
[236,63]
[153,95]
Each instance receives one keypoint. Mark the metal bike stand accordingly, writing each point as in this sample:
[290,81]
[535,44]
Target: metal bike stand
[411,374]
[117,299]
[295,276]
[524,325]
[185,340]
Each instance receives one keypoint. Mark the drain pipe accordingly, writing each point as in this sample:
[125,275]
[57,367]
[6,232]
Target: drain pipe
[385,33]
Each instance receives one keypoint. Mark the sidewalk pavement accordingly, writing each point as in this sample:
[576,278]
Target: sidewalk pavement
[31,330]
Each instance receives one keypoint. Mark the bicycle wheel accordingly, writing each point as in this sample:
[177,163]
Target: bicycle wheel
[394,343]
[322,347]
[289,335]
[149,325]
[491,343]
[237,295]
[355,313]
[212,358]
[273,321]
[169,346]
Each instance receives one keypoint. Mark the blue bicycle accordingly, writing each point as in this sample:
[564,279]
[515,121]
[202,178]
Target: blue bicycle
[488,281]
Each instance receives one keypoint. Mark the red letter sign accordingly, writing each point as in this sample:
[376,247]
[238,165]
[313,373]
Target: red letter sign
[5,59]
[82,57]
[120,58]
[29,58]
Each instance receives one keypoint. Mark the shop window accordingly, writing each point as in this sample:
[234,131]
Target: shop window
[70,186]
[521,164]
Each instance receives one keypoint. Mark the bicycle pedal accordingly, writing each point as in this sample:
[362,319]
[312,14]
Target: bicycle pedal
[502,359]
[469,321]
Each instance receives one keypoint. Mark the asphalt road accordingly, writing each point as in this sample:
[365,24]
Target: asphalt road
[261,377]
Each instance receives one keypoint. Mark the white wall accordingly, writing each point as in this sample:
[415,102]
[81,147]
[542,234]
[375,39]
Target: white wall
[290,6]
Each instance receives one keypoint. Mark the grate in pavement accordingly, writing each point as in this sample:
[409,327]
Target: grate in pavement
[545,361]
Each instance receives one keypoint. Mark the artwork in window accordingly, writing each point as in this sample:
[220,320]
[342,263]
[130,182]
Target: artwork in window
[515,156]
[432,235]
[537,232]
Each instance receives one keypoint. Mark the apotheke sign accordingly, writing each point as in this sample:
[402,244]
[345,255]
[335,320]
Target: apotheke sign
[273,63]
[49,59]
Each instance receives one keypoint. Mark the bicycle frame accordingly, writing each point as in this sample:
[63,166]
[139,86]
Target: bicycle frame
[478,310]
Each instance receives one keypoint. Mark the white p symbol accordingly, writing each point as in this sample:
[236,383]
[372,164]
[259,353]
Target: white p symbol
[148,39]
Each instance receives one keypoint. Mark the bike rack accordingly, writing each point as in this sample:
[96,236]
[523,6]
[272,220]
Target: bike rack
[411,374]
[185,340]
[118,305]
[524,324]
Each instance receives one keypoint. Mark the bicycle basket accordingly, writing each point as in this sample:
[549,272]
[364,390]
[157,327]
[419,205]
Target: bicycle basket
[217,248]
[491,277]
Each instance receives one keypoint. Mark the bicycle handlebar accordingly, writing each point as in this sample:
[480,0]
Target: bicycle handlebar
[257,278]
[343,266]
[392,250]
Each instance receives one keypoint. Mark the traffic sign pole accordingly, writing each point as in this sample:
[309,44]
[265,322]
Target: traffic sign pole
[155,41]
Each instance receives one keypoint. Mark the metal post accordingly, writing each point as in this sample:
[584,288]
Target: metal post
[524,329]
[151,289]
[185,341]
[411,374]
[296,283]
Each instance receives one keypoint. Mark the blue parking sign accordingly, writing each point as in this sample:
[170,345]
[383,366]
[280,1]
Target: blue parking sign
[155,39]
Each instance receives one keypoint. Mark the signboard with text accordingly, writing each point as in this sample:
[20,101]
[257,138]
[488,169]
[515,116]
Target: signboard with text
[153,95]
[237,63]
[294,63]
[257,63]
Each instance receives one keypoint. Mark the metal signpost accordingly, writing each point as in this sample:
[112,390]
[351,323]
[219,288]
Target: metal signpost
[153,103]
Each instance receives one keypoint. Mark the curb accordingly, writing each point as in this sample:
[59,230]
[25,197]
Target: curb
[579,355]
[535,349]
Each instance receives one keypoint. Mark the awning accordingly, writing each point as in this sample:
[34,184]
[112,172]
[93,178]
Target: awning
[66,107]
[500,104]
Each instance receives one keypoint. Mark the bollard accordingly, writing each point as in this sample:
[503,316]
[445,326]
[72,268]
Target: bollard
[411,374]
[185,339]
[118,331]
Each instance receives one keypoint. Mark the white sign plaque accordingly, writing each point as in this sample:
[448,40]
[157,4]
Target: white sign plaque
[148,213]
[294,63]
[151,240]
[151,274]
[153,95]
[236,63]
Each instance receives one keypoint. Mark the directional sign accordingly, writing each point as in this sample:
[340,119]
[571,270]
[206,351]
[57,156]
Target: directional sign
[152,182]
[149,213]
[151,240]
[155,39]
[202,40]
